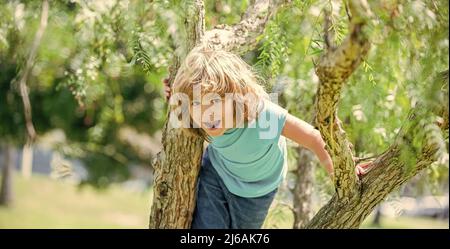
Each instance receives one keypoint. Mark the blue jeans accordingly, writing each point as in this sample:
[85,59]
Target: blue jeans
[218,208]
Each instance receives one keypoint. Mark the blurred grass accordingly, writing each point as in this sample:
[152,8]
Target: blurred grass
[405,222]
[41,202]
[282,217]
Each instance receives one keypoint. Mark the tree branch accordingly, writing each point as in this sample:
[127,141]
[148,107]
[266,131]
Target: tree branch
[387,173]
[430,145]
[443,108]
[333,69]
[242,37]
[26,71]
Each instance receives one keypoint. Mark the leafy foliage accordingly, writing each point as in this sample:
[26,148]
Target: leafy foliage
[100,65]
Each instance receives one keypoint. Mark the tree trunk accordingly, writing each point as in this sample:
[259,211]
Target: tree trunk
[303,188]
[27,161]
[377,219]
[175,181]
[176,167]
[6,191]
[27,153]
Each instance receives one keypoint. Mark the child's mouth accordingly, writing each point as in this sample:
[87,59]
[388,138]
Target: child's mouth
[212,125]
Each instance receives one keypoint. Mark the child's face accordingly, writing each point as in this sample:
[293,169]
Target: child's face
[209,113]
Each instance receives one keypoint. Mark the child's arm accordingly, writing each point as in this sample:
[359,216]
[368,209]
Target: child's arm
[305,135]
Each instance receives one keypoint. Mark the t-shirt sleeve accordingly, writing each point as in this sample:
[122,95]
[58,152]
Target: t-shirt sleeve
[271,121]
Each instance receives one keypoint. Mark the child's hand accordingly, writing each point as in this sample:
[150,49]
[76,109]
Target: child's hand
[363,168]
[167,90]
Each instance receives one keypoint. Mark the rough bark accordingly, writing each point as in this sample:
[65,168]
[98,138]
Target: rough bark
[242,37]
[333,69]
[177,165]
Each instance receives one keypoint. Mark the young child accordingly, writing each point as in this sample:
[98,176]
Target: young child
[246,158]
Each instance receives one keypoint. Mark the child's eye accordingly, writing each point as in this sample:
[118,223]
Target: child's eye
[196,103]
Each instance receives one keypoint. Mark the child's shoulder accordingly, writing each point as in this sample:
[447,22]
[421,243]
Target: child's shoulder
[269,107]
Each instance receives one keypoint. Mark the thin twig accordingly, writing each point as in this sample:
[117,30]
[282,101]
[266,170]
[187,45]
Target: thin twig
[29,65]
[347,12]
[328,36]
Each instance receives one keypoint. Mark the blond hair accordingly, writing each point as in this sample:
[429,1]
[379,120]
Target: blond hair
[220,72]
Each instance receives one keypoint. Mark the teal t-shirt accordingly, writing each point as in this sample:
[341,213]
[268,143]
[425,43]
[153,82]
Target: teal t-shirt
[252,160]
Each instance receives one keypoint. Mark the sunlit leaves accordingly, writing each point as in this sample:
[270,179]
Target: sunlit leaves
[273,50]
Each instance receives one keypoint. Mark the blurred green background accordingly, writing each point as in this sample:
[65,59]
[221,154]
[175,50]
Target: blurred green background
[48,203]
[98,109]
